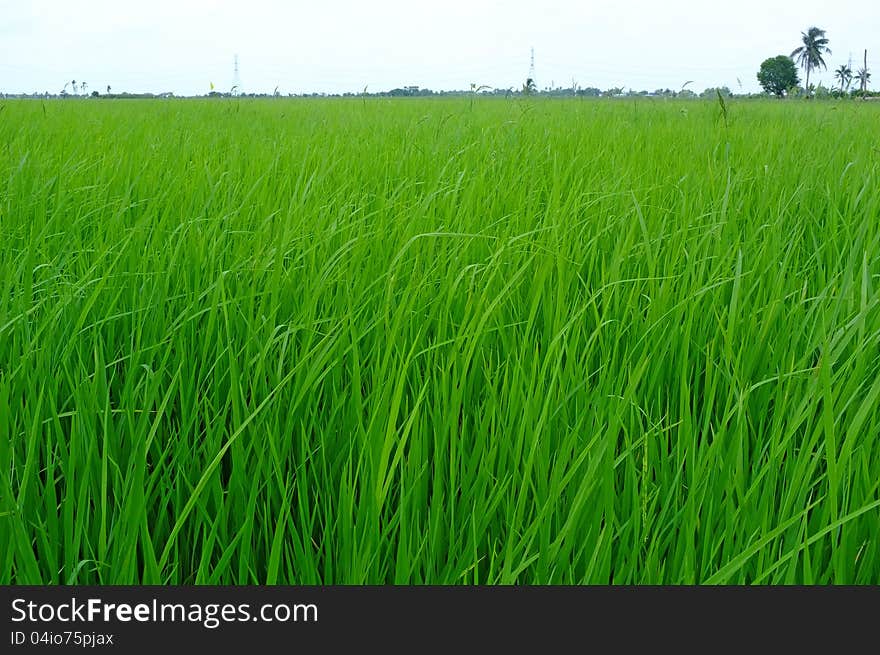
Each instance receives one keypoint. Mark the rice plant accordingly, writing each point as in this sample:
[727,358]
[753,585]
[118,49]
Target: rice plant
[458,341]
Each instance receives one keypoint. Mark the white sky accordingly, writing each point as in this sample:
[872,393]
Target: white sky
[344,45]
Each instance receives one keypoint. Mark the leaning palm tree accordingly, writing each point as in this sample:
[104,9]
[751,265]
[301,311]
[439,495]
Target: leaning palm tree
[844,76]
[809,55]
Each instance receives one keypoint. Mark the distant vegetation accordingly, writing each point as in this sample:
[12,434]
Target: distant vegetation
[811,54]
[777,76]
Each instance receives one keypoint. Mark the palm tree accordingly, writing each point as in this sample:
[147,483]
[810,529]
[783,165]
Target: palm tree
[809,55]
[863,77]
[844,76]
[73,84]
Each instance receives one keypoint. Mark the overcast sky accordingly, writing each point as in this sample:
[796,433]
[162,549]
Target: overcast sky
[345,45]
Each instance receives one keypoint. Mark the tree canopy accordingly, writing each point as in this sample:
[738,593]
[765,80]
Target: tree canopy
[777,75]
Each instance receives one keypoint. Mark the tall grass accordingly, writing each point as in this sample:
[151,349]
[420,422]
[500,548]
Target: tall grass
[444,341]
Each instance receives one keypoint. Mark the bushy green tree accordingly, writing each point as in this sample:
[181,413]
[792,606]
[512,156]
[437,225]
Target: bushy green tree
[777,75]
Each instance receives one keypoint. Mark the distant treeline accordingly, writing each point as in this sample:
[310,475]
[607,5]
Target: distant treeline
[417,92]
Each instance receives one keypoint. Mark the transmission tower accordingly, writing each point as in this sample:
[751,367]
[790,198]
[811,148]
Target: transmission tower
[532,66]
[236,80]
[530,86]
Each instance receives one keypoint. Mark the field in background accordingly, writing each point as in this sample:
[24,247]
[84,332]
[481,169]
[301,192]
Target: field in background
[439,341]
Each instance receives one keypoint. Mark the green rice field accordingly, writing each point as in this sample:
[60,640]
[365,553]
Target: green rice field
[439,341]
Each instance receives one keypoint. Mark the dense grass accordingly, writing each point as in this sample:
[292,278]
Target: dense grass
[439,342]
